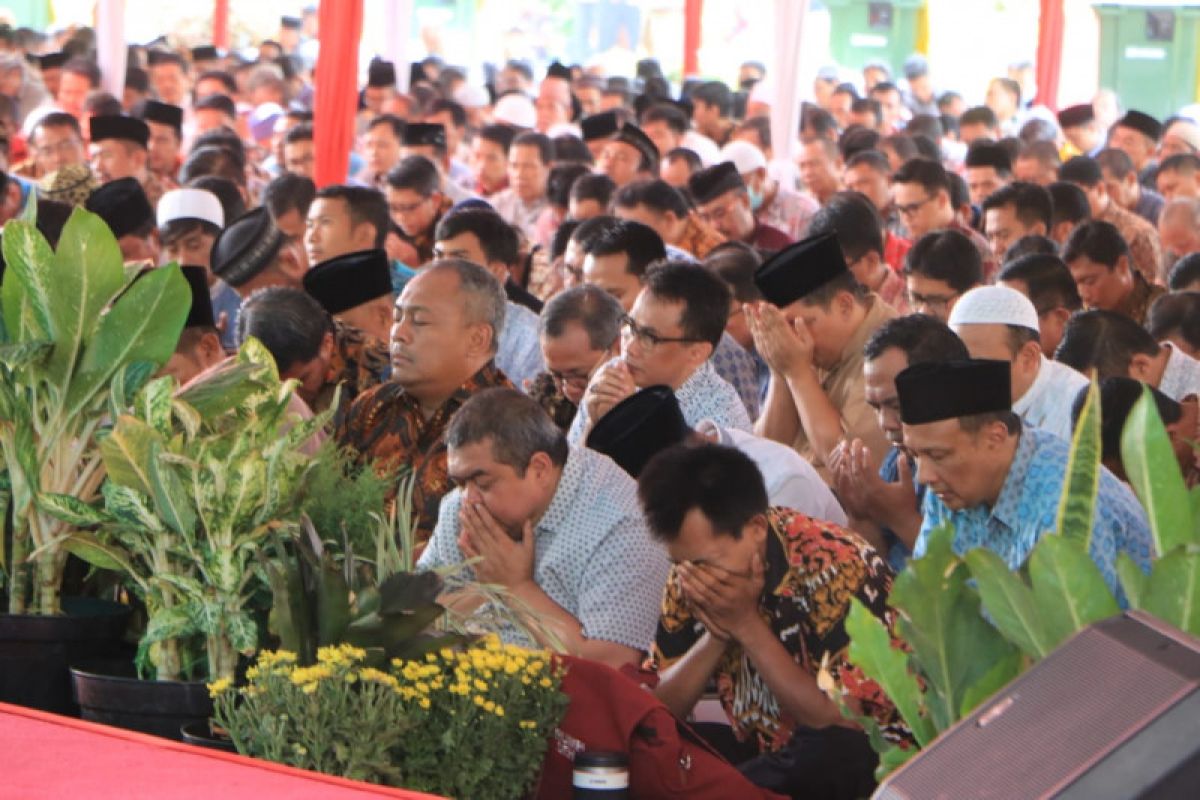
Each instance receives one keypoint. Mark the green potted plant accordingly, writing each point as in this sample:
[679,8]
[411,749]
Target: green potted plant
[78,336]
[200,482]
[955,658]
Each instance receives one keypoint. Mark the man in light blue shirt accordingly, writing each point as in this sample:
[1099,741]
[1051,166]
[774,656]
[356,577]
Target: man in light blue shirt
[559,528]
[997,481]
[1001,323]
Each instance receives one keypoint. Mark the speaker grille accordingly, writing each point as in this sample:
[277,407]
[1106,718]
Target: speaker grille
[1050,725]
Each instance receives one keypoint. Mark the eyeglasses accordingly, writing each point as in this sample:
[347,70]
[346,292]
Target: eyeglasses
[647,339]
[578,379]
[933,301]
[407,208]
[912,208]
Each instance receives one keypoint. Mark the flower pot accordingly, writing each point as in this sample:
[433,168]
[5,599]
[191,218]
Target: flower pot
[35,651]
[110,693]
[201,734]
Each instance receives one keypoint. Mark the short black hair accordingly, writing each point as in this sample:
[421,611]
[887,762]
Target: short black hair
[979,115]
[392,121]
[676,120]
[816,121]
[722,482]
[656,194]
[1045,153]
[1098,241]
[498,134]
[1117,398]
[714,93]
[705,297]
[947,256]
[215,161]
[232,203]
[287,193]
[570,149]
[497,238]
[923,339]
[927,125]
[299,133]
[1178,312]
[1081,170]
[458,114]
[1038,129]
[593,186]
[416,173]
[1180,162]
[1047,281]
[364,204]
[288,322]
[735,263]
[541,141]
[137,79]
[1104,341]
[588,231]
[929,174]
[855,222]
[1069,203]
[219,102]
[687,155]
[177,229]
[858,139]
[562,180]
[85,67]
[902,145]
[640,244]
[1185,272]
[59,119]
[868,105]
[1116,162]
[226,139]
[871,158]
[1029,245]
[1031,203]
[223,77]
[989,154]
[513,423]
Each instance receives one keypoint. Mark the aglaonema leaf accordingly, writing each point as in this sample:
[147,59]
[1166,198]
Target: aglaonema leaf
[1010,603]
[71,510]
[1068,587]
[98,553]
[171,498]
[1077,507]
[26,295]
[222,388]
[871,651]
[953,645]
[126,453]
[86,274]
[1173,590]
[1154,473]
[143,325]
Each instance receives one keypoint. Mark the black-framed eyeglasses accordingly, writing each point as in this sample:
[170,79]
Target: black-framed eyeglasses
[649,339]
[909,209]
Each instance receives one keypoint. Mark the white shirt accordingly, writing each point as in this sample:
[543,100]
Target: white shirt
[1181,377]
[519,353]
[515,211]
[1047,403]
[791,481]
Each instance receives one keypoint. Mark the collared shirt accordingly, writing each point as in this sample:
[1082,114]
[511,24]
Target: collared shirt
[734,364]
[1136,304]
[515,211]
[1047,402]
[385,426]
[845,387]
[1145,249]
[788,211]
[1149,206]
[1181,376]
[791,481]
[1027,509]
[813,569]
[704,395]
[359,362]
[519,353]
[593,554]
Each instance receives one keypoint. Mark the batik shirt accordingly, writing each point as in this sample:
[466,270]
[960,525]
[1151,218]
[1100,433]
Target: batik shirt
[359,362]
[1136,304]
[1027,509]
[735,364]
[385,426]
[1145,250]
[423,242]
[813,569]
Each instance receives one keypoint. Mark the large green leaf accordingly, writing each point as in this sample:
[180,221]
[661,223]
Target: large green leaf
[1010,603]
[20,354]
[1173,590]
[1068,587]
[99,553]
[940,619]
[1134,582]
[26,293]
[223,388]
[996,678]
[1077,508]
[126,453]
[143,325]
[871,650]
[71,510]
[171,498]
[1154,473]
[85,275]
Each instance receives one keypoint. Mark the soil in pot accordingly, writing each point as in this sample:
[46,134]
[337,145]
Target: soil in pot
[201,734]
[35,651]
[109,692]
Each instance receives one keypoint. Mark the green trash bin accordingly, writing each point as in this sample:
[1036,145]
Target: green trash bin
[1148,54]
[861,31]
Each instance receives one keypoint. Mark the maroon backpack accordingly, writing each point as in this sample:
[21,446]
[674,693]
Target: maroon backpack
[612,711]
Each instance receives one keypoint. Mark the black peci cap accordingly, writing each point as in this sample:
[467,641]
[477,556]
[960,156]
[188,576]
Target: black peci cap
[800,269]
[712,182]
[246,247]
[348,281]
[163,114]
[599,126]
[633,136]
[931,392]
[418,134]
[123,206]
[638,427]
[1076,115]
[128,129]
[1142,123]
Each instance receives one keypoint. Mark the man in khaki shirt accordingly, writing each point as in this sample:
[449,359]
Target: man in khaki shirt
[811,332]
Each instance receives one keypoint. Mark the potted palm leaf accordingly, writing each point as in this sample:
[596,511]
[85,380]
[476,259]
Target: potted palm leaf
[200,483]
[78,336]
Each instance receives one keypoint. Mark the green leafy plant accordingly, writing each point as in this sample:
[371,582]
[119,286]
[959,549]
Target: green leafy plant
[77,334]
[199,482]
[408,724]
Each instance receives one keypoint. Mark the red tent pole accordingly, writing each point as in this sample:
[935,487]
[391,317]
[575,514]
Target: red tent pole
[220,24]
[1049,52]
[692,10]
[336,85]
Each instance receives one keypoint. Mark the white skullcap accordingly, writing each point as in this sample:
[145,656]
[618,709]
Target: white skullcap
[516,110]
[190,204]
[743,155]
[469,96]
[994,305]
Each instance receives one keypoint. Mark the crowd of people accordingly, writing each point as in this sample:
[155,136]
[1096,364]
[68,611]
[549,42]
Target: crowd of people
[683,399]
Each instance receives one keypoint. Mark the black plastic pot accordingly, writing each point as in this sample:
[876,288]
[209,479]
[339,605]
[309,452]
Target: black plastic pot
[111,693]
[201,735]
[35,651]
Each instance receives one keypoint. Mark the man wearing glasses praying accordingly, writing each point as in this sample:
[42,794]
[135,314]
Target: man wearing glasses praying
[667,339]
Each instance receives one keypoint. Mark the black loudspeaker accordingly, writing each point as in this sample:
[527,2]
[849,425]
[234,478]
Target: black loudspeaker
[1113,713]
